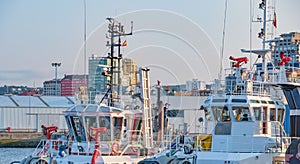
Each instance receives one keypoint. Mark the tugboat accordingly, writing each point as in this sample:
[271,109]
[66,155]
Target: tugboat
[245,115]
[246,122]
[102,133]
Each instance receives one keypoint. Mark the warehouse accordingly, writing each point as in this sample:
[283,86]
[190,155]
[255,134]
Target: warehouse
[28,113]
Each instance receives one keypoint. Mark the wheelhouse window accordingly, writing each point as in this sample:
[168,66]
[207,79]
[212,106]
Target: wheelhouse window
[78,129]
[280,114]
[272,114]
[90,121]
[104,121]
[136,129]
[255,101]
[264,102]
[221,113]
[241,113]
[257,113]
[208,114]
[117,123]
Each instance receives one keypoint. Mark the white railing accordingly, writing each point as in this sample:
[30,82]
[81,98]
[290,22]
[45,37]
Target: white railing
[46,147]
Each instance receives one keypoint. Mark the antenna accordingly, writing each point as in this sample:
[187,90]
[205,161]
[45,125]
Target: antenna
[223,43]
[84,36]
[250,33]
[131,27]
[84,51]
[265,8]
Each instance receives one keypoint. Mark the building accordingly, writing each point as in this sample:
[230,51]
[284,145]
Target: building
[288,43]
[28,113]
[70,84]
[30,92]
[129,76]
[51,88]
[195,84]
[97,81]
[19,90]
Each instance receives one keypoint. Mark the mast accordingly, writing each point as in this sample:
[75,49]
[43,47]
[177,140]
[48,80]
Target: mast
[265,9]
[115,29]
[263,34]
[84,51]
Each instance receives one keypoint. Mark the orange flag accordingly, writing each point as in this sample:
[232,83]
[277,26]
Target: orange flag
[124,43]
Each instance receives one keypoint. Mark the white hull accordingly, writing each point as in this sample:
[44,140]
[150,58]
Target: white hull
[75,159]
[233,158]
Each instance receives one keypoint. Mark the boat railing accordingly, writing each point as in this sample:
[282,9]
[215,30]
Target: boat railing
[175,142]
[244,87]
[288,74]
[132,137]
[46,147]
[132,142]
[275,130]
[129,144]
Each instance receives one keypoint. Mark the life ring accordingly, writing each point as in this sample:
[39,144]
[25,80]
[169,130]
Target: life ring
[116,147]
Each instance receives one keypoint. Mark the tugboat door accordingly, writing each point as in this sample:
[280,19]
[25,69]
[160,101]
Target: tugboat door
[265,120]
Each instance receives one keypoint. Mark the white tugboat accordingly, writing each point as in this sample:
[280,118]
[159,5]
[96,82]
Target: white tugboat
[102,133]
[246,122]
[245,115]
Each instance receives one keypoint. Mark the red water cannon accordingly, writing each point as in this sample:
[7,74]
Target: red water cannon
[239,61]
[96,151]
[47,130]
[284,60]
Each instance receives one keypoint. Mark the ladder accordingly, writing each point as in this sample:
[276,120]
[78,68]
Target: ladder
[147,112]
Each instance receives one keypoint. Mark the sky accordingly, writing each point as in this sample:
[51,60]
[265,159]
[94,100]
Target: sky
[177,40]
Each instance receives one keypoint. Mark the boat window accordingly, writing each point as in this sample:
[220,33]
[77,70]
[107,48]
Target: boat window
[78,108]
[279,103]
[116,110]
[219,100]
[91,108]
[90,121]
[241,113]
[221,114]
[78,129]
[263,102]
[104,109]
[239,100]
[272,114]
[117,123]
[255,101]
[104,121]
[265,111]
[175,113]
[257,113]
[208,113]
[271,102]
[280,114]
[136,129]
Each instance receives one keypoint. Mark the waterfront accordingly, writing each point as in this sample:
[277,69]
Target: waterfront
[8,155]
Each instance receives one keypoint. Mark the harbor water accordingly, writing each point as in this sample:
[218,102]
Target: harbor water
[8,155]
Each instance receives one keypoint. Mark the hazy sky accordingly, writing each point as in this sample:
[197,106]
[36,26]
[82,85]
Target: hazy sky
[177,40]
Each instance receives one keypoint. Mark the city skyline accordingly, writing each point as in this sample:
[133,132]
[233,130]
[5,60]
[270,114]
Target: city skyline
[178,41]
